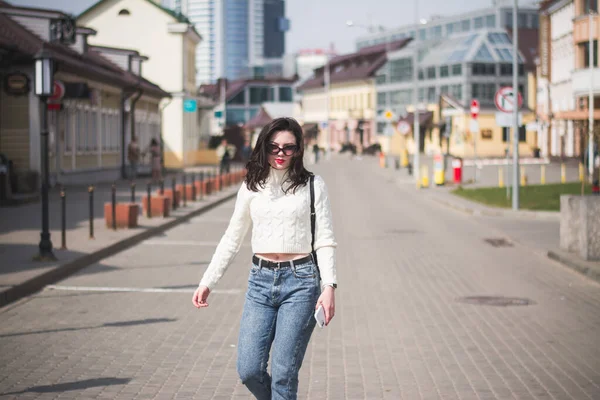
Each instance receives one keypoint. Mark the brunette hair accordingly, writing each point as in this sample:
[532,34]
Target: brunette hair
[258,165]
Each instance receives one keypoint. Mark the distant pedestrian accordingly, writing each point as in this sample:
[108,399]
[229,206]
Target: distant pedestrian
[246,151]
[225,153]
[283,287]
[316,151]
[133,156]
[155,160]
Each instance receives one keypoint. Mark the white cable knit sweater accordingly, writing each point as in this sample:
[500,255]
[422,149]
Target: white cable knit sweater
[281,224]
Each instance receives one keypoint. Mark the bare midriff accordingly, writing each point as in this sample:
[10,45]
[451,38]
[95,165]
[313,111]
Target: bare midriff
[278,257]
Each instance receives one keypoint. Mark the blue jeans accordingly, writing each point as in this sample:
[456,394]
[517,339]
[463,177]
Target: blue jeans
[279,316]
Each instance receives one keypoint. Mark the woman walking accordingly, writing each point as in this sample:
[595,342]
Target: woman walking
[285,285]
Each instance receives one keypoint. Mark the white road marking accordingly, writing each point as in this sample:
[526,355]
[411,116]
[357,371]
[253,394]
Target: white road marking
[138,290]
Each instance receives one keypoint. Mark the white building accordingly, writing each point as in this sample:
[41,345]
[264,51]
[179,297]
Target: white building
[310,59]
[169,40]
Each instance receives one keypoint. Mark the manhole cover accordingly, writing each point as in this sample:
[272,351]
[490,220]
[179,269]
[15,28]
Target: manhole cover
[498,242]
[496,301]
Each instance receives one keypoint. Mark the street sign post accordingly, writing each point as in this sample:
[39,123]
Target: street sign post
[403,127]
[474,108]
[505,100]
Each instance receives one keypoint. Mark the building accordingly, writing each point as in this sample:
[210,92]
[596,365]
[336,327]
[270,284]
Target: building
[451,73]
[307,60]
[99,101]
[243,38]
[169,40]
[498,16]
[244,97]
[348,112]
[566,78]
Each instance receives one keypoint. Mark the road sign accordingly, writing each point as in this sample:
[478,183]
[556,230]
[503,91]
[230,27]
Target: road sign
[403,127]
[505,100]
[388,115]
[190,105]
[505,120]
[474,126]
[474,108]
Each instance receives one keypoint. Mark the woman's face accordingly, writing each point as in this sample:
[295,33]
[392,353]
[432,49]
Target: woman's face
[281,148]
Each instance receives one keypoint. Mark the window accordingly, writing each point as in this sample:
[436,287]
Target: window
[234,117]
[535,21]
[422,34]
[478,23]
[449,29]
[465,25]
[490,21]
[444,71]
[421,75]
[522,20]
[484,92]
[457,55]
[457,69]
[456,91]
[479,69]
[590,5]
[400,97]
[585,50]
[380,79]
[401,70]
[381,127]
[238,99]
[421,94]
[435,32]
[445,89]
[381,99]
[259,95]
[431,94]
[509,19]
[486,134]
[431,73]
[498,38]
[285,94]
[506,133]
[483,54]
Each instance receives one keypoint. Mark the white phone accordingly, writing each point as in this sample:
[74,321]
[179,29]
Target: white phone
[320,316]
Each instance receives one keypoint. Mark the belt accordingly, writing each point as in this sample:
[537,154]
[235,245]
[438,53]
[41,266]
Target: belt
[262,263]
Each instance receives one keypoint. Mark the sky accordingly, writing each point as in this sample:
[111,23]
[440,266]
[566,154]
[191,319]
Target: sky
[322,23]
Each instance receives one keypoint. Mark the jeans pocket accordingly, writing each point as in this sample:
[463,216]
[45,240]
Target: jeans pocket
[305,271]
[254,270]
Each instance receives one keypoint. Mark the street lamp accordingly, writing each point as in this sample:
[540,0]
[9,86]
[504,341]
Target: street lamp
[44,86]
[416,122]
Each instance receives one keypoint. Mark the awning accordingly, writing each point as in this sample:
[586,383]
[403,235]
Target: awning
[425,117]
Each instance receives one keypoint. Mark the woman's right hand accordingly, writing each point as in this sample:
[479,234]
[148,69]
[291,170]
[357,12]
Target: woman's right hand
[200,296]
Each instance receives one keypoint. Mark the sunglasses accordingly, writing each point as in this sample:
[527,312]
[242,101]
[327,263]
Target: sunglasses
[287,150]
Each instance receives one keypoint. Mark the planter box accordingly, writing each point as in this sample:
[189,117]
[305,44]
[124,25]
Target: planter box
[126,215]
[159,205]
[189,195]
[169,194]
[580,226]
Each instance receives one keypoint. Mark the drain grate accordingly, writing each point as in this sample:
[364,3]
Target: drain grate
[498,242]
[496,301]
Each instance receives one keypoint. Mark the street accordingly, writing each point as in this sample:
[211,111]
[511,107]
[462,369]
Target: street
[413,314]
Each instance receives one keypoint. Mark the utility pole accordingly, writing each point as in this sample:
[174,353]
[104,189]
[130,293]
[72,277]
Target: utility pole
[515,194]
[416,125]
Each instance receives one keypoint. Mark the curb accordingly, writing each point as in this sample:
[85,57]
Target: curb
[62,271]
[576,265]
[489,212]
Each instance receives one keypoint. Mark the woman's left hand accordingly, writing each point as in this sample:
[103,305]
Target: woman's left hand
[327,299]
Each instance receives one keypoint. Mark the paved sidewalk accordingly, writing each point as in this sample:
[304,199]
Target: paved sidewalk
[411,315]
[20,229]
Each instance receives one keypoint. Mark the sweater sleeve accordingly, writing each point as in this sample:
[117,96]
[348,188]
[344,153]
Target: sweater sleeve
[325,243]
[231,241]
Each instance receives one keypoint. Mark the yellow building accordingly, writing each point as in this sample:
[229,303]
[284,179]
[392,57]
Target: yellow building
[346,112]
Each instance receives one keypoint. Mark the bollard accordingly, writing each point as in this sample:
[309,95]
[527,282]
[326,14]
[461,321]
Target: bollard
[581,172]
[162,187]
[91,191]
[523,177]
[563,173]
[63,225]
[133,192]
[114,206]
[424,176]
[500,177]
[183,180]
[149,199]
[174,189]
[194,194]
[542,174]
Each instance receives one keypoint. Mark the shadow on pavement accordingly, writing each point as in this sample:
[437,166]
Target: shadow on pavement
[118,324]
[68,386]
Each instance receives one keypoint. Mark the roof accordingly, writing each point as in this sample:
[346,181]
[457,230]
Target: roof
[234,87]
[261,119]
[178,16]
[489,45]
[528,45]
[25,45]
[355,66]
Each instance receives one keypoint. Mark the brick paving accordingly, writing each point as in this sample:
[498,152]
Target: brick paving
[399,331]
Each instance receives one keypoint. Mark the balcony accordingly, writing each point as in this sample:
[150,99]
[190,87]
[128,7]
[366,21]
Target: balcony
[581,28]
[581,80]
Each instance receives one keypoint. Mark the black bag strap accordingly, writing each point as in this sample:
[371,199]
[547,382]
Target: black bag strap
[313,217]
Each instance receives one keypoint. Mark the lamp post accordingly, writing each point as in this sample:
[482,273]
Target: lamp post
[417,122]
[591,97]
[44,86]
[515,182]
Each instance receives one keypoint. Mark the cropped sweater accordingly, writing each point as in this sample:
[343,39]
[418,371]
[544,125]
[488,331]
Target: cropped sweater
[281,224]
